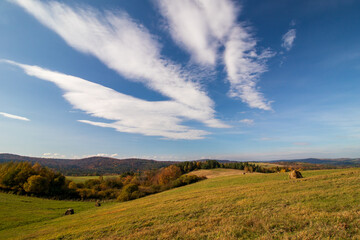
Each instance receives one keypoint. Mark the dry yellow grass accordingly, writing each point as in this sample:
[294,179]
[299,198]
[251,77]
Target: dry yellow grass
[219,172]
[267,165]
[322,205]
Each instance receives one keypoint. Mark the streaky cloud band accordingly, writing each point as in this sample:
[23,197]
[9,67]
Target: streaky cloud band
[12,116]
[128,114]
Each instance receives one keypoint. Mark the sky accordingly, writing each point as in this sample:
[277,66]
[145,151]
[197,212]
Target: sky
[180,80]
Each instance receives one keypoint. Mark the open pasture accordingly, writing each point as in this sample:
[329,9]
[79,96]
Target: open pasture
[323,205]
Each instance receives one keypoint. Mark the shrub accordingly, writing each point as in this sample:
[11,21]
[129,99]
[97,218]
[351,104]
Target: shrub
[72,185]
[113,183]
[37,184]
[91,183]
[185,180]
[129,192]
[168,174]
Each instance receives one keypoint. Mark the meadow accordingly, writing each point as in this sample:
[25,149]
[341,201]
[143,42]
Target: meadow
[22,210]
[322,205]
[217,172]
[82,179]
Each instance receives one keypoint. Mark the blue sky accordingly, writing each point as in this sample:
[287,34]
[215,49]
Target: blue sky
[180,80]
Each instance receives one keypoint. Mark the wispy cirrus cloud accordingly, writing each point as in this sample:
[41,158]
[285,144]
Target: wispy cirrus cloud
[124,46]
[244,67]
[126,113]
[199,26]
[202,27]
[288,39]
[8,115]
[128,48]
[247,121]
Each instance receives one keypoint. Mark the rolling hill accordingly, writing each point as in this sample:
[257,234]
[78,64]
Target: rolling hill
[91,165]
[323,205]
[328,161]
[107,166]
[316,163]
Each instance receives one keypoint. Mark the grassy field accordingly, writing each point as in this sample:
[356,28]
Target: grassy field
[219,172]
[323,205]
[267,165]
[21,210]
[81,179]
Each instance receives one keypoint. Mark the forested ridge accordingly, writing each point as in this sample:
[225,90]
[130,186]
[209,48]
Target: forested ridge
[91,165]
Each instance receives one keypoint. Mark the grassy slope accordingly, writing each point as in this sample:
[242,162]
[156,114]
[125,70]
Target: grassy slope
[21,210]
[81,179]
[219,172]
[323,205]
[267,165]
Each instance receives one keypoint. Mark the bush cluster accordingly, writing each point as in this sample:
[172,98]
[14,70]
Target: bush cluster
[134,185]
[25,178]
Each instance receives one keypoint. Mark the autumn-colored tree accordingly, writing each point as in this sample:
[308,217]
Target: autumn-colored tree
[24,177]
[168,174]
[72,185]
[37,184]
[129,192]
[37,167]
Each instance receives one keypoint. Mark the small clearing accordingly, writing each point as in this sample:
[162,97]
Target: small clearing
[82,179]
[267,164]
[218,172]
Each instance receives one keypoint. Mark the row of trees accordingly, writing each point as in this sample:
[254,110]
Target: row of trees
[25,178]
[210,164]
[134,185]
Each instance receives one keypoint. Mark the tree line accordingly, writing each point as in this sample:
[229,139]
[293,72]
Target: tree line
[189,166]
[25,178]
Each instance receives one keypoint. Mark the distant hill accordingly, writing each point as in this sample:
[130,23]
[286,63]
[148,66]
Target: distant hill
[105,165]
[218,160]
[313,163]
[341,162]
[91,165]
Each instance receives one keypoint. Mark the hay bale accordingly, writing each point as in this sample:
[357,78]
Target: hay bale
[70,211]
[295,174]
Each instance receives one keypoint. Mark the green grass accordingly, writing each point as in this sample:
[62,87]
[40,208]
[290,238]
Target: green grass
[267,165]
[21,210]
[323,205]
[217,172]
[82,179]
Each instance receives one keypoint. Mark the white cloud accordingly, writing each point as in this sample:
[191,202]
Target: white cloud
[14,116]
[288,39]
[199,25]
[247,121]
[123,45]
[244,67]
[53,155]
[203,26]
[128,114]
[114,155]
